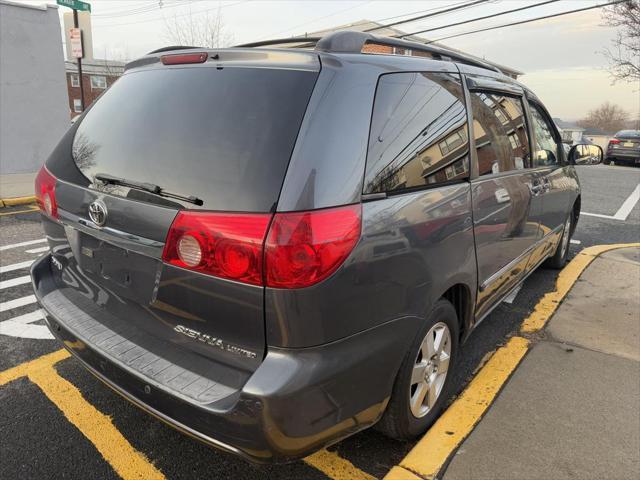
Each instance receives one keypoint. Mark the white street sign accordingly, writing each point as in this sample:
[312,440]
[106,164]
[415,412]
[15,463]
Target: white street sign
[75,39]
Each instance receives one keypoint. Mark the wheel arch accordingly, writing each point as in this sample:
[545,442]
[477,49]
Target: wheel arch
[460,297]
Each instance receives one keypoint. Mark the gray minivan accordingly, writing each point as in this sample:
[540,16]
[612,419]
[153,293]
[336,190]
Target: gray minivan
[274,248]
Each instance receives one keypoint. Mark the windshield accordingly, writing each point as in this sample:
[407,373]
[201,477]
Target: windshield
[222,135]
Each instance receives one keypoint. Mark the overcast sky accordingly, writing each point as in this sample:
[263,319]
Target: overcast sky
[560,56]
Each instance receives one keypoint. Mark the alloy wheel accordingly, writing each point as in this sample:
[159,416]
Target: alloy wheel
[430,370]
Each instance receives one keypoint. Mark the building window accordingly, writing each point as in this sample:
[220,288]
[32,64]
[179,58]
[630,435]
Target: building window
[457,169]
[77,105]
[501,116]
[98,82]
[514,141]
[74,80]
[452,142]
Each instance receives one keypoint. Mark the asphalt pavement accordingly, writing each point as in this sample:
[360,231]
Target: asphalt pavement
[40,440]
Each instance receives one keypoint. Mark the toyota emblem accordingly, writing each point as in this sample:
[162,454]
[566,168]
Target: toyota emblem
[98,213]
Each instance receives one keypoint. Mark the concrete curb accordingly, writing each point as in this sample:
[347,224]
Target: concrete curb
[11,202]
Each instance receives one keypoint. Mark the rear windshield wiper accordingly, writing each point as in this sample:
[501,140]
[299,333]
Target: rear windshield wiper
[146,187]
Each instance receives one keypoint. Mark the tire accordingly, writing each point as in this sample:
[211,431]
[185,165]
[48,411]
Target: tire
[559,259]
[607,161]
[399,420]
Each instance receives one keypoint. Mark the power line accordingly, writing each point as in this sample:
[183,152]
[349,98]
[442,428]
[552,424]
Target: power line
[419,11]
[271,35]
[175,16]
[420,17]
[476,19]
[526,21]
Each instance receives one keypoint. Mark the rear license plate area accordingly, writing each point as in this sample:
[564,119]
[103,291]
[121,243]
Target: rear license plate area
[128,273]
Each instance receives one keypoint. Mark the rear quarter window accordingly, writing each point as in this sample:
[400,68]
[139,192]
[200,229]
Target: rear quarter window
[419,134]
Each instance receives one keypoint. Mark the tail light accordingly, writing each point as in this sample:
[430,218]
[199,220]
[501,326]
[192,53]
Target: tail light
[300,248]
[224,245]
[46,192]
[614,141]
[304,248]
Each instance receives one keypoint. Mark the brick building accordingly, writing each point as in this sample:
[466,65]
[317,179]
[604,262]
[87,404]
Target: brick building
[97,76]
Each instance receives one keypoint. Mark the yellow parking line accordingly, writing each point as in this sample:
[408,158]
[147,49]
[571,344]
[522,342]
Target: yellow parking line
[19,211]
[39,363]
[336,467]
[568,276]
[117,451]
[429,455]
[93,424]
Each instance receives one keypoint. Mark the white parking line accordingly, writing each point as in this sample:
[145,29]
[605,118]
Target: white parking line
[599,215]
[38,250]
[21,327]
[512,295]
[16,266]
[18,302]
[624,211]
[22,244]
[14,282]
[27,317]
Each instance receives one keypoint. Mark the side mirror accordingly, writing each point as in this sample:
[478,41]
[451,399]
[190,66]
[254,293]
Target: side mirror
[585,155]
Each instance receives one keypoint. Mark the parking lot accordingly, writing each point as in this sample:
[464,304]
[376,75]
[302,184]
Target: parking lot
[58,421]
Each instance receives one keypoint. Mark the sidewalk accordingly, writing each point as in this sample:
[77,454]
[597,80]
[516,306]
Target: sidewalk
[17,185]
[572,407]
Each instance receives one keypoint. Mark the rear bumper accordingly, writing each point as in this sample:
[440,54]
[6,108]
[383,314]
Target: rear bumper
[297,401]
[629,155]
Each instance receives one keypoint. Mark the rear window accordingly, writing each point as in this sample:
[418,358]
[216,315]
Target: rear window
[222,135]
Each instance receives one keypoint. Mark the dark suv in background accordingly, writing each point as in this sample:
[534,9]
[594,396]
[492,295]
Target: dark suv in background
[272,249]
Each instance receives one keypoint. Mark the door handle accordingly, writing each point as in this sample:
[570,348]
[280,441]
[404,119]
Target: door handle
[536,189]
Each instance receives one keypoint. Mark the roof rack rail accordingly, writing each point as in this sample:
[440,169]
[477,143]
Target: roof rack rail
[172,47]
[348,41]
[280,41]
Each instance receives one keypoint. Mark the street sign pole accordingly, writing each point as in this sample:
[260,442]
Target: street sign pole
[76,25]
[85,7]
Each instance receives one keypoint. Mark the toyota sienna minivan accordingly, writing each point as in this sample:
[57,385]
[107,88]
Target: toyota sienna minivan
[274,248]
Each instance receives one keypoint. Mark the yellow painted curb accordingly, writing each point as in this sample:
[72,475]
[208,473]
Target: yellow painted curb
[12,202]
[568,276]
[399,473]
[433,450]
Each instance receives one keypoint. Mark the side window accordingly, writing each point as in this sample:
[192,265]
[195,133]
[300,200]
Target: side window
[546,148]
[500,132]
[418,133]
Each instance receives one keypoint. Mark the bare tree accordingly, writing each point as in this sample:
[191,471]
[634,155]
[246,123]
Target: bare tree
[624,54]
[112,69]
[607,117]
[200,29]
